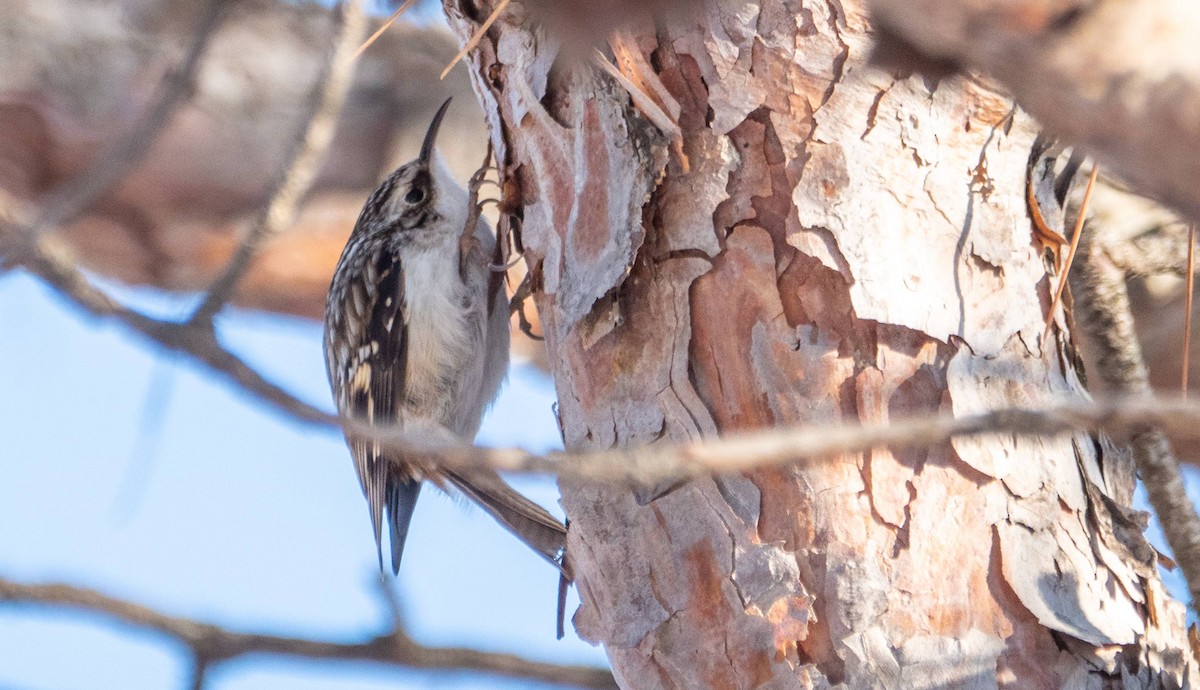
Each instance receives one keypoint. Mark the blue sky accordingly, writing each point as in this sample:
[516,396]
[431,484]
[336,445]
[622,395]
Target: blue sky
[137,475]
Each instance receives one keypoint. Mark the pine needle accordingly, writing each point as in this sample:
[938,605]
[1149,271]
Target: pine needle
[644,102]
[476,37]
[1062,283]
[391,20]
[1187,317]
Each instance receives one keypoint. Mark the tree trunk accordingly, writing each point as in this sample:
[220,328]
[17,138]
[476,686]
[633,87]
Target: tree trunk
[830,242]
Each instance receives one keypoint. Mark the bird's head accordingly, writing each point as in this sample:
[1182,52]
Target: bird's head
[421,194]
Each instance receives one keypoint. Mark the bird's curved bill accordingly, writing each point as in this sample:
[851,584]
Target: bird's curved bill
[431,134]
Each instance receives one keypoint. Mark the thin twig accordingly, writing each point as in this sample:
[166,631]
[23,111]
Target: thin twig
[211,644]
[1187,315]
[199,674]
[644,102]
[641,465]
[1062,280]
[649,465]
[384,27]
[659,463]
[653,464]
[136,476]
[75,196]
[46,258]
[196,342]
[476,37]
[391,602]
[303,163]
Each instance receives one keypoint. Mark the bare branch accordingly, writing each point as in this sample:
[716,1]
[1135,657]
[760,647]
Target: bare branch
[384,27]
[308,150]
[197,342]
[75,196]
[1075,237]
[645,466]
[1120,78]
[1102,292]
[199,675]
[487,24]
[211,644]
[651,464]
[196,338]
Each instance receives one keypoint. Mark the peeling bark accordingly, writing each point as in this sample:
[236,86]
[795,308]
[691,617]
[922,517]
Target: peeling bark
[830,242]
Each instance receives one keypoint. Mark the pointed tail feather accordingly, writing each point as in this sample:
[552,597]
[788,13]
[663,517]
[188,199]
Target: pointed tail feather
[401,502]
[372,474]
[521,516]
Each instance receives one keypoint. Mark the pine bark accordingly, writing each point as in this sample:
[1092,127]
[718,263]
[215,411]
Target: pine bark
[828,242]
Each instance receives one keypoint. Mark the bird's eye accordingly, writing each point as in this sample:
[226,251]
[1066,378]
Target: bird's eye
[415,196]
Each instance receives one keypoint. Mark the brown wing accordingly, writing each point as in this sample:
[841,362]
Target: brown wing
[373,381]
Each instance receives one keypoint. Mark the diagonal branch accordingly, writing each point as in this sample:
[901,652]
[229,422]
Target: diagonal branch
[75,196]
[21,227]
[212,644]
[1108,319]
[197,342]
[647,465]
[654,464]
[308,150]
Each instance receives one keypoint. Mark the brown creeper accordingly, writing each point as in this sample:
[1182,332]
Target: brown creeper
[412,336]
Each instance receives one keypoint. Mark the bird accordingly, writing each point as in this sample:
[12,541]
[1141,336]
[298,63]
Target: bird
[416,333]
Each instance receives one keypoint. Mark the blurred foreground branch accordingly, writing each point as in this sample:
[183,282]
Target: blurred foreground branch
[212,644]
[176,218]
[308,150]
[80,192]
[648,465]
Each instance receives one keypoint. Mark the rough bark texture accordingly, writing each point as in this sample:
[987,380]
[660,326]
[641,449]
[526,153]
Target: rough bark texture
[830,242]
